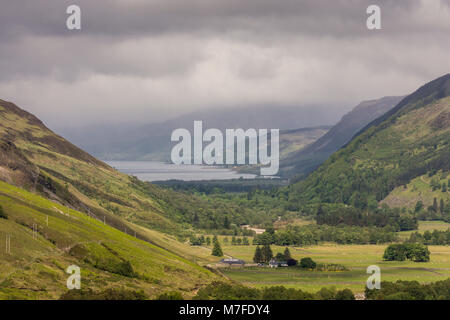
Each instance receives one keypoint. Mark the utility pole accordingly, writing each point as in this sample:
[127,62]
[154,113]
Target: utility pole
[8,244]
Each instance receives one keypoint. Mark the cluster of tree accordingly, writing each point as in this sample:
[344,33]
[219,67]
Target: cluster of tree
[379,217]
[407,251]
[431,238]
[226,291]
[313,234]
[263,255]
[222,212]
[222,186]
[200,240]
[410,290]
[235,231]
[236,241]
[3,214]
[436,185]
[437,211]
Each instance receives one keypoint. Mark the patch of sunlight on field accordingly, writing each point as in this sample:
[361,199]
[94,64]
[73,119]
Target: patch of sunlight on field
[355,257]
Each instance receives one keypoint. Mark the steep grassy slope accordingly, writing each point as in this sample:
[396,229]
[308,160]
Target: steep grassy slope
[306,159]
[108,258]
[409,141]
[35,158]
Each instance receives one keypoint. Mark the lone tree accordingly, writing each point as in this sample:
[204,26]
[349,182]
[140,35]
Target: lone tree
[217,250]
[257,258]
[3,214]
[307,263]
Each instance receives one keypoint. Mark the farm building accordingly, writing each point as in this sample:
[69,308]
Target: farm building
[233,261]
[275,264]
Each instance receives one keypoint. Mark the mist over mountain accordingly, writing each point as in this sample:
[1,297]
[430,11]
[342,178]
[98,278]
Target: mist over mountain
[152,141]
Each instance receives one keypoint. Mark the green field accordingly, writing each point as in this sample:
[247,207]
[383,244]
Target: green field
[355,257]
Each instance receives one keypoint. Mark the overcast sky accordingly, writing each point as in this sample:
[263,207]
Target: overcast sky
[140,60]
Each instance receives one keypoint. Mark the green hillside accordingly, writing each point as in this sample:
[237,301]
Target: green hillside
[115,227]
[35,158]
[108,258]
[409,141]
[304,160]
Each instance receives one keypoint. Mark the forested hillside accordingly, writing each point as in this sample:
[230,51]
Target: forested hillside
[409,141]
[307,159]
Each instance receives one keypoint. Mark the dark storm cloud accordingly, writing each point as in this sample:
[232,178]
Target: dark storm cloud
[137,58]
[140,17]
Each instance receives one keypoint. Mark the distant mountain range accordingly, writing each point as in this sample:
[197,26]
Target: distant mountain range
[306,139]
[152,141]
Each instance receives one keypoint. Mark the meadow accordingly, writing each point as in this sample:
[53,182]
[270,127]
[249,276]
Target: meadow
[356,258]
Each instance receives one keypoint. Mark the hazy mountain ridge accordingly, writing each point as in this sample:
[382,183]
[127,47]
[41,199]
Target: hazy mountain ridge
[308,158]
[152,141]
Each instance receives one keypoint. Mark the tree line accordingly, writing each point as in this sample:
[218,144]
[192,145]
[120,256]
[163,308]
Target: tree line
[436,237]
[379,217]
[410,290]
[226,291]
[314,234]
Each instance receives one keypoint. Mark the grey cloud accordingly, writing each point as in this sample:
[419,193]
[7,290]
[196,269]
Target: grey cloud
[139,59]
[134,18]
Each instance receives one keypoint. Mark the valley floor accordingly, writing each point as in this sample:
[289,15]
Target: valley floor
[356,258]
